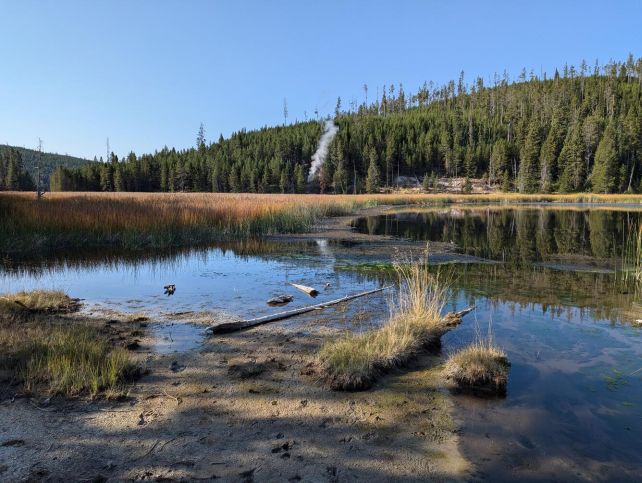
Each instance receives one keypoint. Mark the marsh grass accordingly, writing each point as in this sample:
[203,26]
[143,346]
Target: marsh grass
[480,367]
[163,220]
[71,361]
[631,270]
[354,361]
[37,301]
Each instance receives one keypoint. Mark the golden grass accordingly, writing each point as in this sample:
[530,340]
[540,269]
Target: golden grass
[136,220]
[37,301]
[354,361]
[481,366]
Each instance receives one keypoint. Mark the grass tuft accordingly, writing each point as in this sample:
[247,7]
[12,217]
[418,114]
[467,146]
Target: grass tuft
[354,361]
[37,301]
[480,367]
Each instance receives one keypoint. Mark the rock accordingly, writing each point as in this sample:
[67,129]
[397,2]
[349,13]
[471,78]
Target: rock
[132,346]
[280,300]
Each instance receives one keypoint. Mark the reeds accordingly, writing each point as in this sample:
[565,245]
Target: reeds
[631,270]
[354,361]
[155,220]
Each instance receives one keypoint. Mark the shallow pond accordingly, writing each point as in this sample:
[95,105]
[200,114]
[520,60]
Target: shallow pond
[573,409]
[554,302]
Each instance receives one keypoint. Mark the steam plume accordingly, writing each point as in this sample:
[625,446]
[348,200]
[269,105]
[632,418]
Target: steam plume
[318,158]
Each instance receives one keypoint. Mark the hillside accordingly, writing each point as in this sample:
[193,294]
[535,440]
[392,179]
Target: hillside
[23,160]
[579,130]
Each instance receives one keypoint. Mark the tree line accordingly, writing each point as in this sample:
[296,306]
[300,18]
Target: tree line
[13,175]
[577,130]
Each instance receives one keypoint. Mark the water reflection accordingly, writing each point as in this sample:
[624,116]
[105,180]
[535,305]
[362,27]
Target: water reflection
[519,235]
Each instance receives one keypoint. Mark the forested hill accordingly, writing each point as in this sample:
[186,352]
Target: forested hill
[580,129]
[18,166]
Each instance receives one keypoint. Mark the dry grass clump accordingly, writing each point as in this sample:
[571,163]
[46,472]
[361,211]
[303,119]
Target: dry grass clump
[37,301]
[353,361]
[480,367]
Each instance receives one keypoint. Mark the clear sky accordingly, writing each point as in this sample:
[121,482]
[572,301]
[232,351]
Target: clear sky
[147,73]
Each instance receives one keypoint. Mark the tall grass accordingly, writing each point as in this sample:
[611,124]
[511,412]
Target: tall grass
[354,361]
[631,272]
[137,220]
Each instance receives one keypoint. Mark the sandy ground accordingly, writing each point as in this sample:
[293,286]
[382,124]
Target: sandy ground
[244,407]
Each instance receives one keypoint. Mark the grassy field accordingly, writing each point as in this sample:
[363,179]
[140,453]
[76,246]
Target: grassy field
[158,220]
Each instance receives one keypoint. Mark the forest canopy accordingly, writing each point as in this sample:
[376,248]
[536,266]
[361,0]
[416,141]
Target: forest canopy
[577,130]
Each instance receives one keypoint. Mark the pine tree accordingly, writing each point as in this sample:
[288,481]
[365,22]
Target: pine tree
[373,180]
[299,179]
[604,175]
[573,177]
[340,178]
[529,172]
[548,155]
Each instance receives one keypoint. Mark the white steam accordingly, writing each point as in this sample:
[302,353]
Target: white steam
[318,158]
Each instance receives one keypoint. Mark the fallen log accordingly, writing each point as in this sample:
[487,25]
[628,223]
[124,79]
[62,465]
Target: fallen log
[312,292]
[247,324]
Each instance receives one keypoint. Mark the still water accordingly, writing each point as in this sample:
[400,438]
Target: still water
[558,307]
[553,299]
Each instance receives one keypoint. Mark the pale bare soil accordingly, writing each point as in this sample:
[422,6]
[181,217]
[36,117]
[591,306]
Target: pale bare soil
[245,407]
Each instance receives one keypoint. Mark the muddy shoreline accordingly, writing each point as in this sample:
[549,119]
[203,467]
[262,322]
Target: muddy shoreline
[197,416]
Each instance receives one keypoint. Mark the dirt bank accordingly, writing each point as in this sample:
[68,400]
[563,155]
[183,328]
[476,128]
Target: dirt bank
[246,407]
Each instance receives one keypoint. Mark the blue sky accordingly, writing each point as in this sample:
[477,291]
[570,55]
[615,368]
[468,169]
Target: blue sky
[146,73]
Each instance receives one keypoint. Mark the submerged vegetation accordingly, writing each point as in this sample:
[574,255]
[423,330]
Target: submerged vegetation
[354,361]
[46,354]
[480,367]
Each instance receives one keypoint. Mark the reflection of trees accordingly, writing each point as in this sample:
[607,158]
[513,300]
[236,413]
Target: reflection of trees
[557,292]
[514,235]
[603,232]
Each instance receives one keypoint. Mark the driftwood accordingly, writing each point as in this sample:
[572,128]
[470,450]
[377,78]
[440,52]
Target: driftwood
[246,324]
[313,292]
[454,318]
